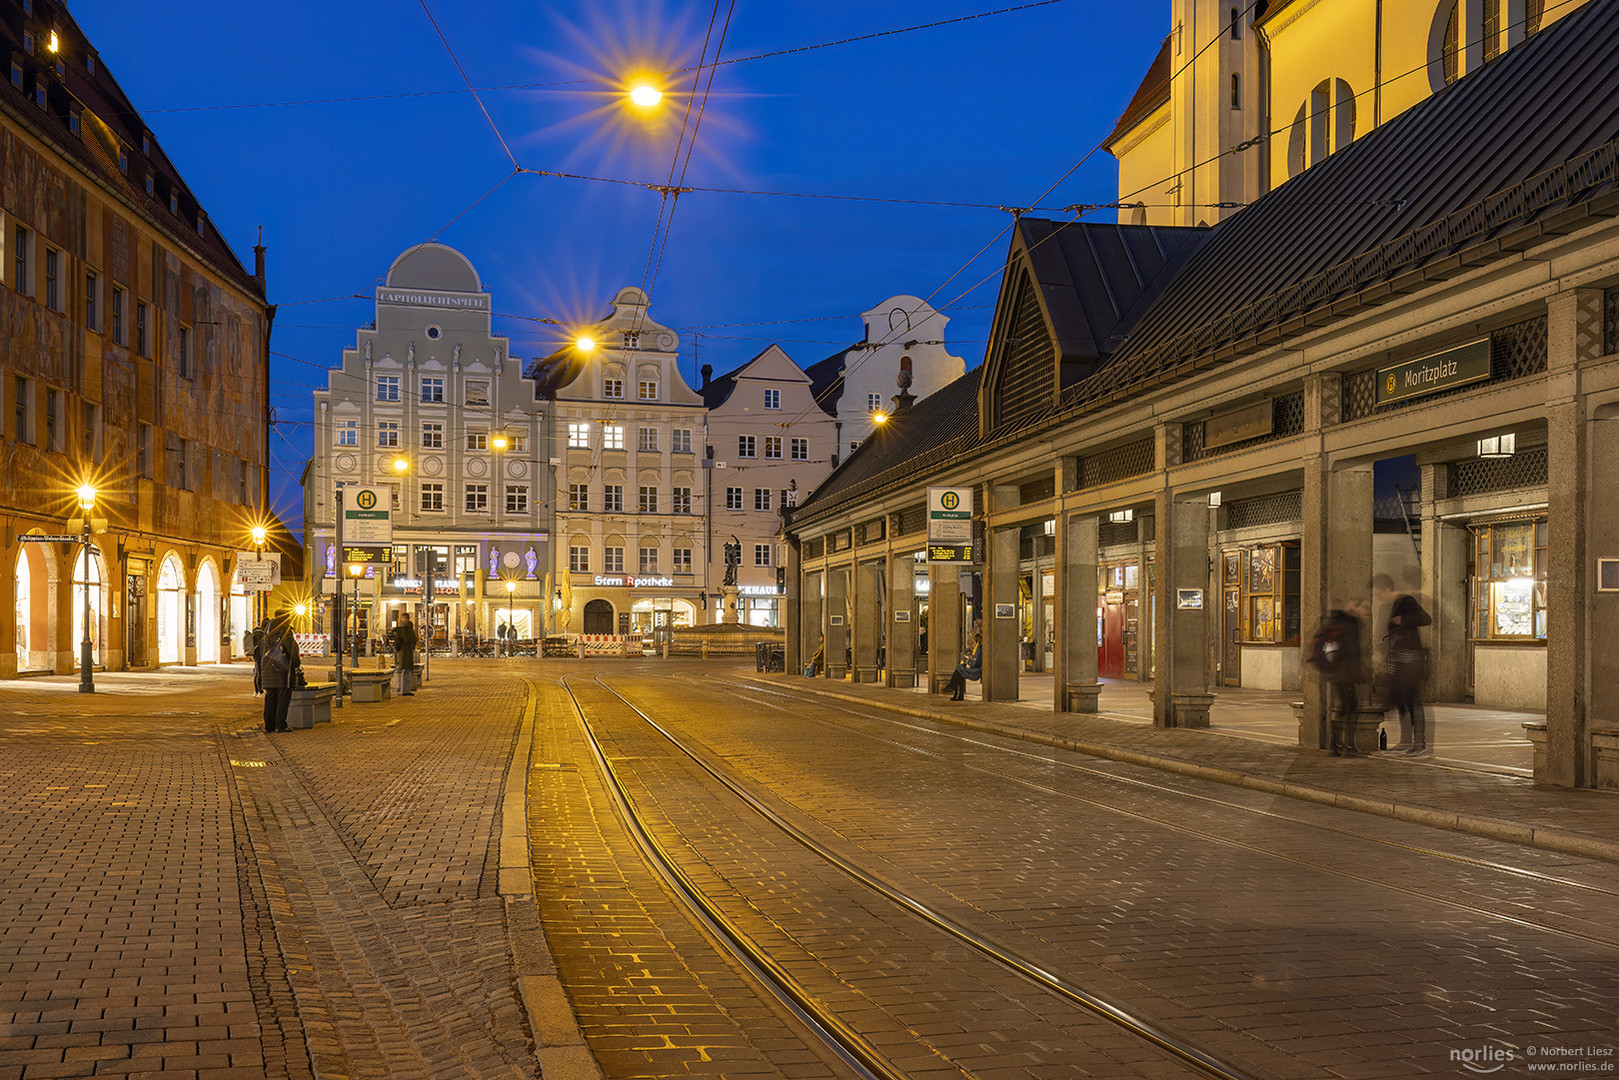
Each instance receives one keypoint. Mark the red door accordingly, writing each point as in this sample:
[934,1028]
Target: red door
[1110,649]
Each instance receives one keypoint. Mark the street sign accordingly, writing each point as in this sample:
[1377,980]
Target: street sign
[48,538]
[255,573]
[950,524]
[367,516]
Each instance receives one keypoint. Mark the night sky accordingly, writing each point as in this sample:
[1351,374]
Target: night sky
[346,130]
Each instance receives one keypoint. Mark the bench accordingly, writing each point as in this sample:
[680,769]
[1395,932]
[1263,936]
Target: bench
[369,686]
[311,705]
[1605,751]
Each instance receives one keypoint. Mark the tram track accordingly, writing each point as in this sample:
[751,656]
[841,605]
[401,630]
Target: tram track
[821,1017]
[1599,893]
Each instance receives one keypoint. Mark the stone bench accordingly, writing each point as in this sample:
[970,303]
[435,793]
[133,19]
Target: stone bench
[311,705]
[1536,730]
[1362,731]
[369,686]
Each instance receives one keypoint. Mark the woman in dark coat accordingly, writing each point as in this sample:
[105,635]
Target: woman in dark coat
[277,668]
[972,667]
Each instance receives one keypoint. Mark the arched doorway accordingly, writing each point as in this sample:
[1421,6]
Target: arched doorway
[207,613]
[171,612]
[33,610]
[87,574]
[598,617]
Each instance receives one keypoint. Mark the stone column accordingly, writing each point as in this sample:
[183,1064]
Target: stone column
[1002,656]
[837,620]
[792,610]
[1574,623]
[1182,696]
[902,623]
[811,618]
[867,626]
[1076,593]
[944,624]
[1444,591]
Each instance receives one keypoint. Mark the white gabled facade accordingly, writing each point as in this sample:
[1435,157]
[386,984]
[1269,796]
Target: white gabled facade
[631,543]
[428,384]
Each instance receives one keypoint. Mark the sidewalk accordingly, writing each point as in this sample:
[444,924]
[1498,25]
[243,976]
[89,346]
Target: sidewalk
[1478,781]
[182,895]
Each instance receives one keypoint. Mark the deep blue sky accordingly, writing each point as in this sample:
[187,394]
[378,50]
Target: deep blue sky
[992,110]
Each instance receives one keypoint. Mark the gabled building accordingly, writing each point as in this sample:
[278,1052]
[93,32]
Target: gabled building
[773,443]
[430,405]
[902,334]
[632,490]
[133,359]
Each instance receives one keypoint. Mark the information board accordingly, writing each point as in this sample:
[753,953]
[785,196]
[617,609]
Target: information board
[950,524]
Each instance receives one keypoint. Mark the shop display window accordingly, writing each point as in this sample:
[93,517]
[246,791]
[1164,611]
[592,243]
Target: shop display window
[1266,577]
[1509,581]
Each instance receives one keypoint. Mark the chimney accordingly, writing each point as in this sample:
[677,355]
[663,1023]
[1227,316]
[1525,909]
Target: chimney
[708,373]
[258,257]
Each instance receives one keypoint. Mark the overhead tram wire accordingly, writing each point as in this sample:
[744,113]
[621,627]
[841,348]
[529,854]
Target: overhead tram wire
[1016,213]
[465,78]
[405,95]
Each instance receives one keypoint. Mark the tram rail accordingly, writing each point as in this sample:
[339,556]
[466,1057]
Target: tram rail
[848,1044]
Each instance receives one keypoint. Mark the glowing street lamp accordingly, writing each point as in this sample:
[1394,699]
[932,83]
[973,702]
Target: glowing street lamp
[511,622]
[87,679]
[645,96]
[259,533]
[584,343]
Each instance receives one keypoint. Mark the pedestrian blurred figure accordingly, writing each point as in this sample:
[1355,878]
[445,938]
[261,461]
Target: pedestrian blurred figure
[817,660]
[1406,663]
[1335,652]
[970,668]
[277,668]
[405,654]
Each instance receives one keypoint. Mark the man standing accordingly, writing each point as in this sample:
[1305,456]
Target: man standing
[279,668]
[1335,653]
[1407,664]
[405,654]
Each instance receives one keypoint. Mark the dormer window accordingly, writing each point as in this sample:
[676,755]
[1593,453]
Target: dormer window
[16,75]
[146,143]
[39,92]
[174,203]
[28,42]
[151,184]
[123,159]
[73,121]
[90,63]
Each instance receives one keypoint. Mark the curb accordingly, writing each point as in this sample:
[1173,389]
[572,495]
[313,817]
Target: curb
[559,1045]
[1549,839]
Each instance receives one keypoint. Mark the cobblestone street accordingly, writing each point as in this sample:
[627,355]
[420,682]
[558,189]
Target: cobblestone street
[185,896]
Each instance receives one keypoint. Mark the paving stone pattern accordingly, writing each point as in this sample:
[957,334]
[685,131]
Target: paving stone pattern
[653,996]
[182,895]
[1307,951]
[876,965]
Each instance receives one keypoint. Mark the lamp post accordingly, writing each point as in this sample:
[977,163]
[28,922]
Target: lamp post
[511,620]
[356,571]
[87,678]
[259,533]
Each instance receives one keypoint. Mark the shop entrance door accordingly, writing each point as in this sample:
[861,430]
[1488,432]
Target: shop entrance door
[135,621]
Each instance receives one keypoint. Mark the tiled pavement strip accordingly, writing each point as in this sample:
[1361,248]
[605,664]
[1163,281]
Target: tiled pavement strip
[182,895]
[1476,801]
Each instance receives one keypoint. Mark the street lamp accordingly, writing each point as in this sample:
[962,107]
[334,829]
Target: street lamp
[87,679]
[259,533]
[646,96]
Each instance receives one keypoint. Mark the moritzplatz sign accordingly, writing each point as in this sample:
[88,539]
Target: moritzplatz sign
[1454,367]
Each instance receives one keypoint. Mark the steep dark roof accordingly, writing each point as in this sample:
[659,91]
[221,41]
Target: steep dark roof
[716,390]
[937,428]
[1153,92]
[1094,276]
[1524,149]
[826,379]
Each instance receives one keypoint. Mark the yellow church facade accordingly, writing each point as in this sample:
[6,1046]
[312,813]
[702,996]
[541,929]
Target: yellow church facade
[1241,98]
